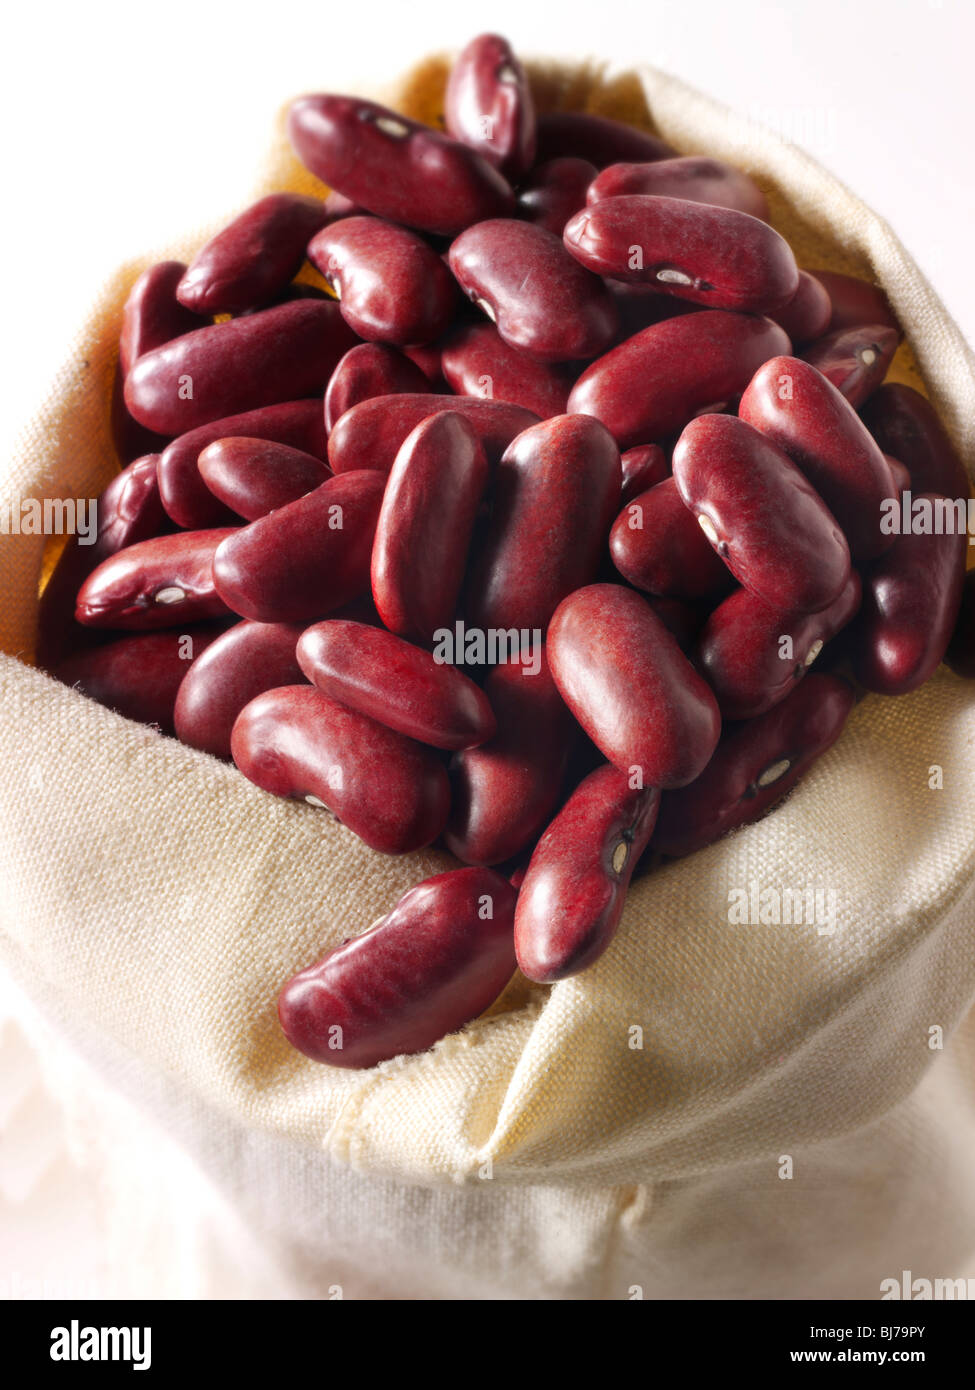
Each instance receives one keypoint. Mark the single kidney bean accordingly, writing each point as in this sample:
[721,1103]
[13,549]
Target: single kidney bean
[243,662]
[396,167]
[185,495]
[709,255]
[307,558]
[554,191]
[683,366]
[255,476]
[555,493]
[373,431]
[960,655]
[795,407]
[643,468]
[526,282]
[911,598]
[161,582]
[596,138]
[152,314]
[503,793]
[428,509]
[756,764]
[658,546]
[692,177]
[571,901]
[764,519]
[392,287]
[489,106]
[368,371]
[906,424]
[855,360]
[476,361]
[808,312]
[391,792]
[899,474]
[752,654]
[855,302]
[396,684]
[437,960]
[629,685]
[261,359]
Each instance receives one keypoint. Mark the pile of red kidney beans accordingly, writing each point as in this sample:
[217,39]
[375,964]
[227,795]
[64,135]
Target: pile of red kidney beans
[521,539]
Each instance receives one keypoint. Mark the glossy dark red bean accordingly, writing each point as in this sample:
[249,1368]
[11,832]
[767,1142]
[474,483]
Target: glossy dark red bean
[709,255]
[761,515]
[254,258]
[629,685]
[599,139]
[489,105]
[960,655]
[166,581]
[185,495]
[795,407]
[808,312]
[571,900]
[390,791]
[540,298]
[643,468]
[152,314]
[307,558]
[367,371]
[757,763]
[431,965]
[243,662]
[911,599]
[396,167]
[653,384]
[854,302]
[476,361]
[555,493]
[658,546]
[695,178]
[374,430]
[503,793]
[855,360]
[906,424]
[255,476]
[554,191]
[256,360]
[753,654]
[428,509]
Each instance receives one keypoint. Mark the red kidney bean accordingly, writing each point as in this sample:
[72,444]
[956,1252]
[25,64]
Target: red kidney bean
[374,430]
[243,662]
[428,509]
[255,476]
[368,371]
[476,361]
[855,360]
[763,518]
[911,598]
[907,425]
[596,138]
[652,385]
[555,493]
[808,312]
[799,410]
[643,468]
[391,792]
[756,764]
[396,167]
[629,685]
[571,901]
[253,259]
[395,683]
[392,287]
[752,655]
[657,545]
[139,676]
[709,255]
[555,191]
[855,302]
[489,106]
[262,359]
[152,314]
[185,495]
[503,793]
[526,282]
[692,177]
[307,558]
[437,960]
[162,582]
[899,474]
[960,655]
